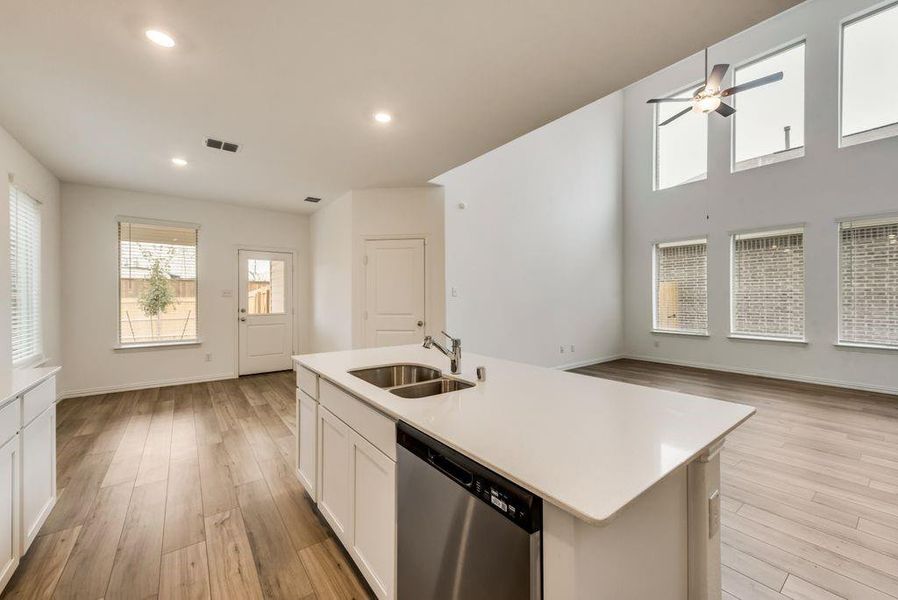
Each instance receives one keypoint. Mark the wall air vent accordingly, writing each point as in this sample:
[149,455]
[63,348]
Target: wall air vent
[313,199]
[220,145]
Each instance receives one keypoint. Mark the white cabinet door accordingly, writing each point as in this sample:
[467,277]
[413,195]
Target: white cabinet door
[307,442]
[374,515]
[334,492]
[9,510]
[38,474]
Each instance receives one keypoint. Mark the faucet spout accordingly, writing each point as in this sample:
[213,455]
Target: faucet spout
[454,354]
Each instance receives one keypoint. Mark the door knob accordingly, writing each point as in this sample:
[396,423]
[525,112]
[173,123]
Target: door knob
[420,323]
[243,318]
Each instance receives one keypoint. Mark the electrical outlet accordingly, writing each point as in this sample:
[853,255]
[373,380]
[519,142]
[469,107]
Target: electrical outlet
[572,348]
[208,358]
[561,349]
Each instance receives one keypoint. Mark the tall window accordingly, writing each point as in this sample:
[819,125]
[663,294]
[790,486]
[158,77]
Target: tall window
[868,282]
[25,277]
[869,85]
[681,147]
[769,122]
[681,286]
[767,287]
[157,283]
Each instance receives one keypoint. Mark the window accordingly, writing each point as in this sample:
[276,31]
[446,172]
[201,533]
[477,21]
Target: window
[681,147]
[868,282]
[681,287]
[768,126]
[869,86]
[266,286]
[767,287]
[25,277]
[157,283]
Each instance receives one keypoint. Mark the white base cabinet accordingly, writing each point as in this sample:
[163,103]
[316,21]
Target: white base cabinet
[9,509]
[38,474]
[335,494]
[307,442]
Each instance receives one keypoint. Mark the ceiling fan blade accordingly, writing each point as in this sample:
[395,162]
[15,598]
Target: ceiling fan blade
[751,84]
[716,77]
[725,109]
[659,100]
[676,116]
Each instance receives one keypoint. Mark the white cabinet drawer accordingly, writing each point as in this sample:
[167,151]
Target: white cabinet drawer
[307,381]
[378,429]
[38,399]
[9,421]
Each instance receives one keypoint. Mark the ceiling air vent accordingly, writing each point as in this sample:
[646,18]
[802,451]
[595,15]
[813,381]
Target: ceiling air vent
[313,199]
[220,145]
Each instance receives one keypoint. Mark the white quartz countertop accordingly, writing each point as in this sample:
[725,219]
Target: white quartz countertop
[15,381]
[587,445]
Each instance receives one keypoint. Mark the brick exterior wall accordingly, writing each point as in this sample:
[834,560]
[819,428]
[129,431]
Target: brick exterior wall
[868,277]
[681,289]
[768,285]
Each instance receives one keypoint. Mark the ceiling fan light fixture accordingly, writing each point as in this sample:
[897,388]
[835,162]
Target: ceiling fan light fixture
[706,104]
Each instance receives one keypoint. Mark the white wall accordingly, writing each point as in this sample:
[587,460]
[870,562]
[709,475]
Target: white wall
[331,276]
[90,269]
[827,184]
[31,176]
[535,257]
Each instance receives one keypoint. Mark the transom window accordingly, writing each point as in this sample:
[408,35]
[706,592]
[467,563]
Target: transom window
[157,283]
[681,147]
[25,278]
[869,85]
[768,126]
[767,287]
[681,286]
[868,282]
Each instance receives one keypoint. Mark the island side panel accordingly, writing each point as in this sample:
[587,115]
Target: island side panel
[642,553]
[704,525]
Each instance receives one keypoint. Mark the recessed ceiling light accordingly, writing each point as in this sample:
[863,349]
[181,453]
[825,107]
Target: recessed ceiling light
[383,117]
[160,38]
[179,162]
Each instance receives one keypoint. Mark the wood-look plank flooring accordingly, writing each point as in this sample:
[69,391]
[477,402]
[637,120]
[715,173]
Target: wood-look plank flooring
[810,485]
[184,492]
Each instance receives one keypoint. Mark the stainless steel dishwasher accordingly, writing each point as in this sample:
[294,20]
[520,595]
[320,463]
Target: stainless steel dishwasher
[464,531]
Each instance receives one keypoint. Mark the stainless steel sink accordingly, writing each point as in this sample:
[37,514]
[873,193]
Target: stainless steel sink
[392,375]
[431,388]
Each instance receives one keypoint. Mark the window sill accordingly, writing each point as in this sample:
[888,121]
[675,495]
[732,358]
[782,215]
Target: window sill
[702,334]
[768,159]
[157,345]
[31,363]
[871,135]
[763,338]
[859,346]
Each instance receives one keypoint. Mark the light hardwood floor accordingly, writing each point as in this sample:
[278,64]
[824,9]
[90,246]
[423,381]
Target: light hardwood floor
[810,485]
[184,492]
[188,492]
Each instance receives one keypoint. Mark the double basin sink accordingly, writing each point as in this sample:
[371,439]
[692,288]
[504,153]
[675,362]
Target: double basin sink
[410,381]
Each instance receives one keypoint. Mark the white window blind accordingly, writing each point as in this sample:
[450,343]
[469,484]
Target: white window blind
[157,283]
[767,287]
[681,286]
[25,277]
[868,282]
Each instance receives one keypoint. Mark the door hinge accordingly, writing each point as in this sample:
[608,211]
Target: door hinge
[365,260]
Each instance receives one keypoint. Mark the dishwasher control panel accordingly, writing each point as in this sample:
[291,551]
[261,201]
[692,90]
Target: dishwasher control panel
[515,506]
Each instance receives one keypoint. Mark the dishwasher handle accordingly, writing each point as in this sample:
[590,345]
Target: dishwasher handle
[450,468]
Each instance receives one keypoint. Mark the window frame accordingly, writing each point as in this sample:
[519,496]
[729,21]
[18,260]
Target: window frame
[881,132]
[840,341]
[38,358]
[777,157]
[681,241]
[118,344]
[656,172]
[767,232]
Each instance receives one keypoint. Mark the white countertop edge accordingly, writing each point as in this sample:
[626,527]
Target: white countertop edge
[591,519]
[16,382]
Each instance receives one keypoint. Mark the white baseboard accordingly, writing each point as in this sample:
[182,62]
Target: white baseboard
[591,361]
[144,385]
[770,374]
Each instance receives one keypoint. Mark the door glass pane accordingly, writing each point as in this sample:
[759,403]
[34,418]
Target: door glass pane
[266,287]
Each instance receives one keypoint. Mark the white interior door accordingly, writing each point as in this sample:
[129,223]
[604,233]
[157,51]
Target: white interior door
[394,292]
[266,311]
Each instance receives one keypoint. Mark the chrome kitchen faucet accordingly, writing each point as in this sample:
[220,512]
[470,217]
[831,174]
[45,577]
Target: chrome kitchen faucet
[454,354]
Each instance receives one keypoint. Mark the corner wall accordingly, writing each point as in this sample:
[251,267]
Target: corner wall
[533,260]
[827,184]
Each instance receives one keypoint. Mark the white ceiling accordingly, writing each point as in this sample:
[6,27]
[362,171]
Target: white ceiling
[296,82]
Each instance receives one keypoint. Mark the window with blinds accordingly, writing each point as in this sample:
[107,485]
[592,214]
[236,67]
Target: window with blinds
[767,285]
[157,283]
[681,286]
[868,282]
[681,147]
[25,277]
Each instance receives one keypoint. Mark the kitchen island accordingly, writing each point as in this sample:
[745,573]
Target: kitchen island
[629,475]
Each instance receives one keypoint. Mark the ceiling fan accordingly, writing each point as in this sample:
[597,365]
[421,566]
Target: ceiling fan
[707,97]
